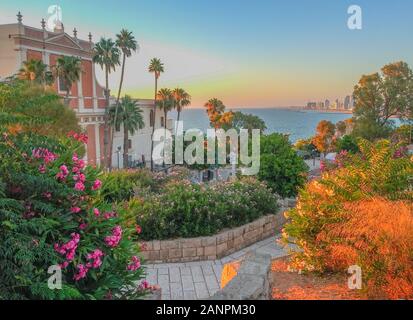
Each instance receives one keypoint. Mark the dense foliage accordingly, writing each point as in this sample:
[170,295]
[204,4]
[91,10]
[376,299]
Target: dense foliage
[347,143]
[381,96]
[379,170]
[247,121]
[51,214]
[188,210]
[281,167]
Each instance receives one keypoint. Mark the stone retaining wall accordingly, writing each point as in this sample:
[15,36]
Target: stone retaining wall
[214,247]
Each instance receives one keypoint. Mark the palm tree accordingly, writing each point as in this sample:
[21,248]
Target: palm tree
[106,54]
[215,108]
[130,116]
[156,67]
[68,69]
[181,99]
[126,42]
[36,71]
[165,101]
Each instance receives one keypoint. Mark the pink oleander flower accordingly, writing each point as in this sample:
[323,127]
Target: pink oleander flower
[81,272]
[44,154]
[97,185]
[114,239]
[75,210]
[79,186]
[109,215]
[82,226]
[134,265]
[81,137]
[144,285]
[64,172]
[95,260]
[96,212]
[138,229]
[42,169]
[69,248]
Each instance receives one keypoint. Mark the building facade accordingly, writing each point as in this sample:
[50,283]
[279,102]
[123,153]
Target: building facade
[19,43]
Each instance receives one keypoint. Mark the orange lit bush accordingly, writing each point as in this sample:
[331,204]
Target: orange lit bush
[358,213]
[378,236]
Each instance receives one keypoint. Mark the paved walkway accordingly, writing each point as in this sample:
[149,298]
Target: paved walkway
[200,280]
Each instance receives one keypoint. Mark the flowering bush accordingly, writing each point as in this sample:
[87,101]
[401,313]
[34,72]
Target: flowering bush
[52,214]
[187,210]
[377,171]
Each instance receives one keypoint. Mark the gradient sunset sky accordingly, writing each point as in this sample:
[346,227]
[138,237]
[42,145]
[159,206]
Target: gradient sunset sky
[262,53]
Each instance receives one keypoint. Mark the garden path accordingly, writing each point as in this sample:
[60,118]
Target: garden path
[201,279]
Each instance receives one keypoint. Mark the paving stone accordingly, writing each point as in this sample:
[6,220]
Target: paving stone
[188,283]
[163,281]
[152,276]
[163,271]
[211,282]
[174,274]
[197,274]
[201,290]
[190,295]
[207,270]
[176,291]
[185,271]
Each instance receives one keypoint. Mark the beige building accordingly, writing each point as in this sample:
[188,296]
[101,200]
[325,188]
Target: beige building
[19,43]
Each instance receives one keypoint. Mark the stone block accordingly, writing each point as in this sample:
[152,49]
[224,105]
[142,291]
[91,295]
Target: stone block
[189,252]
[191,243]
[210,250]
[170,244]
[208,241]
[175,253]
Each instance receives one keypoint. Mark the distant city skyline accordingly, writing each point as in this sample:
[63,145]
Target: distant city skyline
[262,54]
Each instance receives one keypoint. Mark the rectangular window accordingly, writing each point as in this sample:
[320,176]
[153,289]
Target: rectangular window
[62,85]
[130,144]
[162,121]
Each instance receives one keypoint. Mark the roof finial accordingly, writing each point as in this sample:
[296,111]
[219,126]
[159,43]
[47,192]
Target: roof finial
[90,37]
[43,23]
[19,17]
[75,33]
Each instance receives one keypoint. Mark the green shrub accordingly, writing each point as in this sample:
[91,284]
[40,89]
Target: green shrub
[347,143]
[51,214]
[281,167]
[189,210]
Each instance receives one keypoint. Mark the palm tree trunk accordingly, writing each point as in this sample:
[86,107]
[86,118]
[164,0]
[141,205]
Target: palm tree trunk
[106,126]
[116,110]
[154,120]
[177,121]
[125,147]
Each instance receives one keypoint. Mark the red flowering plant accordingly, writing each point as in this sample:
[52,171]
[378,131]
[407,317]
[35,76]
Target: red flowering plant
[52,214]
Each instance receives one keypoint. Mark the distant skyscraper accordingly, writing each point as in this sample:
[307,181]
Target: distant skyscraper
[327,104]
[347,103]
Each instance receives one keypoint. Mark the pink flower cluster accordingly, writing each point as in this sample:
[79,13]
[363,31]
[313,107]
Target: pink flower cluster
[81,137]
[95,259]
[64,172]
[135,264]
[109,215]
[81,272]
[68,249]
[97,185]
[113,240]
[44,154]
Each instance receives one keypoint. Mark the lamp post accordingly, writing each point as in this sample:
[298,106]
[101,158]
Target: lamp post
[118,152]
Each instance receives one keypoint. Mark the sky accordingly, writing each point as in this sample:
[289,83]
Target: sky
[262,53]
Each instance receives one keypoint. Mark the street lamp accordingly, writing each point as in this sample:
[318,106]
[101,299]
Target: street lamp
[118,152]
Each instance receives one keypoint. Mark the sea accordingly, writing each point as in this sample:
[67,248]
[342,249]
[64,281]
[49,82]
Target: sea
[299,124]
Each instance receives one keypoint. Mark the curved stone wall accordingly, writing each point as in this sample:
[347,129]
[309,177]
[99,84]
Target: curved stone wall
[214,247]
